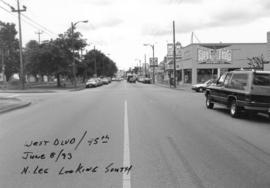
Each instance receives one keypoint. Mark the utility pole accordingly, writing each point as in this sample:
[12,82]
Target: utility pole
[20,40]
[145,65]
[140,67]
[153,60]
[153,48]
[95,61]
[3,64]
[174,57]
[39,33]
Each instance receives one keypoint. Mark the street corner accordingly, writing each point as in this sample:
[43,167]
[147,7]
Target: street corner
[10,104]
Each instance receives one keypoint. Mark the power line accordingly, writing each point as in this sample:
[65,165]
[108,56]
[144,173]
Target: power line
[23,18]
[27,22]
[5,3]
[44,28]
[6,10]
[30,19]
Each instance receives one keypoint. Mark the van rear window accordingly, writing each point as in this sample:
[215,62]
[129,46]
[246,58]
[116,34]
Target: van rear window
[261,79]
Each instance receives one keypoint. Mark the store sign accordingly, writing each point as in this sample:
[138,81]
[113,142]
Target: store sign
[169,66]
[160,70]
[178,52]
[219,56]
[153,63]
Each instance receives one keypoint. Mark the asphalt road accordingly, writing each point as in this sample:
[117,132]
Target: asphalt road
[131,135]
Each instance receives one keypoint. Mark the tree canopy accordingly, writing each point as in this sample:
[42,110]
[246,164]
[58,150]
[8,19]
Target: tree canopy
[9,47]
[55,57]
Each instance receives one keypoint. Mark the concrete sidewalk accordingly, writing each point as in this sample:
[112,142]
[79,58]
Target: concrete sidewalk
[183,87]
[9,104]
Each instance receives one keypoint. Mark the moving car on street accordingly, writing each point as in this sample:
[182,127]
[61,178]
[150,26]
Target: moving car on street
[201,87]
[241,91]
[132,80]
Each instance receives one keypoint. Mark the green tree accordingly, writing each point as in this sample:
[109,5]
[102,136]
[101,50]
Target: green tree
[47,59]
[9,44]
[32,62]
[257,62]
[73,44]
[104,65]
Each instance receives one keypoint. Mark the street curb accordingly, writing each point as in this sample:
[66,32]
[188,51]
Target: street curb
[165,86]
[77,89]
[19,91]
[8,109]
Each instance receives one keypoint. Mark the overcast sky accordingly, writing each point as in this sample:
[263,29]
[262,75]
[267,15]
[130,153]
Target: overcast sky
[121,27]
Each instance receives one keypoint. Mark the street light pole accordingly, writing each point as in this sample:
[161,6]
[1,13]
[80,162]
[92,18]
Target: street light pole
[145,65]
[153,49]
[3,63]
[95,62]
[72,46]
[73,58]
[174,57]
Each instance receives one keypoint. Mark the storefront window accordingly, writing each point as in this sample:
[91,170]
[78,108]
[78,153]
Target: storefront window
[188,76]
[206,74]
[179,75]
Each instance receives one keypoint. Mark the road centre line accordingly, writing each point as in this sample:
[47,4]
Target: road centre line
[126,158]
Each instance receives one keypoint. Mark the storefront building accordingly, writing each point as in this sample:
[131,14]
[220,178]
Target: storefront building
[203,61]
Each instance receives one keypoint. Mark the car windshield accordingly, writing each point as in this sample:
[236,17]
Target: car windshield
[208,82]
[261,79]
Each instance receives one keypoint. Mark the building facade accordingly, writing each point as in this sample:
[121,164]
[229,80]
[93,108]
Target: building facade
[200,62]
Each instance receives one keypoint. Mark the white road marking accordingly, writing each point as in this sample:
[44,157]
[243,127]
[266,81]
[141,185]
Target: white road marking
[126,162]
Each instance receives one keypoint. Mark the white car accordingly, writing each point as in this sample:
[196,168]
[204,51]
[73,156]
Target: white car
[91,83]
[201,87]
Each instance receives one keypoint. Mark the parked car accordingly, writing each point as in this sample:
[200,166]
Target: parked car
[109,79]
[147,80]
[140,79]
[201,87]
[91,83]
[241,91]
[99,81]
[105,81]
